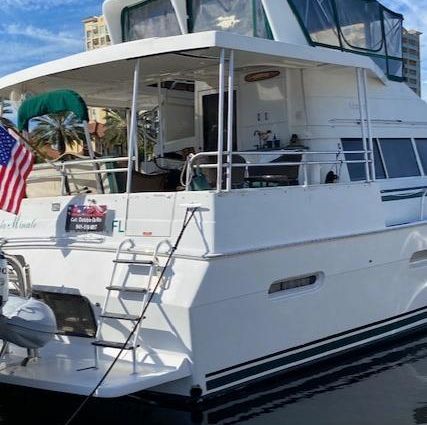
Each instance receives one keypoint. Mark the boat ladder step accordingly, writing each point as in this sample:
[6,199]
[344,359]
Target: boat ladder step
[113,344]
[133,289]
[120,316]
[117,283]
[134,262]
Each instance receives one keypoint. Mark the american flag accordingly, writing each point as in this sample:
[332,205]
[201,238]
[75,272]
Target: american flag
[16,163]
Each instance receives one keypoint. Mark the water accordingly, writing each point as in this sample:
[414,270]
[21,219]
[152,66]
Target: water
[386,385]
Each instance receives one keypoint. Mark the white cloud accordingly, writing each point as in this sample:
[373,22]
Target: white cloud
[43,35]
[36,4]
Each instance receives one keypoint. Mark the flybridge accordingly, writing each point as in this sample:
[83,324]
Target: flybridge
[359,26]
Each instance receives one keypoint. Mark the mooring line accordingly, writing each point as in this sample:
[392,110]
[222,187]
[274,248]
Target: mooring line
[187,219]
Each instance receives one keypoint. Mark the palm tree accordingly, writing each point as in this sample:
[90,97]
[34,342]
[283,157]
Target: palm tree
[116,131]
[5,107]
[59,130]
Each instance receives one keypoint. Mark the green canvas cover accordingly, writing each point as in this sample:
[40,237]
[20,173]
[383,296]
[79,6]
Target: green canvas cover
[50,103]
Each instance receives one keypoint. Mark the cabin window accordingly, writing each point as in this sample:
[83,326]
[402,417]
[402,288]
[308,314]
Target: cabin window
[359,26]
[289,284]
[399,158]
[74,314]
[245,17]
[151,18]
[357,171]
[422,152]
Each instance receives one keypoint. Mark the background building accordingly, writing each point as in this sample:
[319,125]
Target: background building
[96,36]
[96,32]
[412,59]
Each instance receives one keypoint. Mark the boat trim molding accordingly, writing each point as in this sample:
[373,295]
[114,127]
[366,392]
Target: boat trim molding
[294,356]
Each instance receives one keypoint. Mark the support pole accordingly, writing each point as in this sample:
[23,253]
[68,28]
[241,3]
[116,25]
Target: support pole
[230,121]
[161,121]
[369,126]
[362,121]
[133,126]
[220,120]
[98,177]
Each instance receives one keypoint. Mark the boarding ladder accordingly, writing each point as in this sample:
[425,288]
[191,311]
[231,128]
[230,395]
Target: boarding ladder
[121,288]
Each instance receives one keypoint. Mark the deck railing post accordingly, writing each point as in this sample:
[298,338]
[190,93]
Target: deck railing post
[369,126]
[362,120]
[161,120]
[230,121]
[220,120]
[132,141]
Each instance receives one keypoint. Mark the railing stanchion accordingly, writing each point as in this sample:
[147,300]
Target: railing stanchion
[362,121]
[230,123]
[305,173]
[369,126]
[134,126]
[220,120]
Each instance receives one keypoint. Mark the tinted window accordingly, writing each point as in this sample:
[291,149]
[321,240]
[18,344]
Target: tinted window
[357,171]
[379,167]
[150,19]
[238,16]
[422,151]
[399,157]
[74,315]
[286,285]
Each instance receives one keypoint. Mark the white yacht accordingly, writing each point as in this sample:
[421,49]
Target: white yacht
[279,221]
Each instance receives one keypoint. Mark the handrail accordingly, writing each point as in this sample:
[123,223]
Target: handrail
[305,163]
[64,171]
[82,162]
[79,173]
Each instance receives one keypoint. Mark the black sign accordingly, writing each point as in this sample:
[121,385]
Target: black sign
[86,218]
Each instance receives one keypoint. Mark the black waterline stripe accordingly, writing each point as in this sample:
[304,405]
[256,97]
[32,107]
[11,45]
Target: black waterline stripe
[318,341]
[402,197]
[273,364]
[403,189]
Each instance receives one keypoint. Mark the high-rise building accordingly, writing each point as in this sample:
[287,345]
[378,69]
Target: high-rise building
[96,36]
[412,59]
[96,32]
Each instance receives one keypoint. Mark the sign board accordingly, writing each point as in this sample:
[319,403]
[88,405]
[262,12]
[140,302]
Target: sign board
[86,218]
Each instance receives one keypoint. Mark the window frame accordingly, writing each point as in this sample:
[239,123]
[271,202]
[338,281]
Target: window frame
[126,9]
[298,290]
[353,49]
[414,149]
[43,295]
[269,32]
[417,153]
[380,157]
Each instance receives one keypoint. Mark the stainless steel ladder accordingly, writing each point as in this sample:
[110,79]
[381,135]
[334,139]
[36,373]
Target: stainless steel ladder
[153,266]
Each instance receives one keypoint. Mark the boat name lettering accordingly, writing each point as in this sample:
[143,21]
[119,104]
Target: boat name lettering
[18,223]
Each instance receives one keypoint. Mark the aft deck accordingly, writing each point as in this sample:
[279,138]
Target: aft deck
[67,365]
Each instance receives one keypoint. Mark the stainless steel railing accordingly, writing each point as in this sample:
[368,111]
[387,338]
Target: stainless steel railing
[304,163]
[64,170]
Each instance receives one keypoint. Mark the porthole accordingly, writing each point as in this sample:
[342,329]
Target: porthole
[282,286]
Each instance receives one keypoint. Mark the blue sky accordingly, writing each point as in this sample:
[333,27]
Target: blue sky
[35,31]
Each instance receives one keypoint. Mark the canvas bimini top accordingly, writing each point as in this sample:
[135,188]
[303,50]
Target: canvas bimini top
[360,26]
[364,27]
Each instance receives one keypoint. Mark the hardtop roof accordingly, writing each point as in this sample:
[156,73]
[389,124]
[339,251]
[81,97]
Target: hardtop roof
[103,77]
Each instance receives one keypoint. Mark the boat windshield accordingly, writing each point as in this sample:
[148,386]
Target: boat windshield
[149,19]
[157,18]
[238,16]
[361,26]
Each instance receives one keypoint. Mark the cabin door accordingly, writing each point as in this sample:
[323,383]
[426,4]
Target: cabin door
[210,122]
